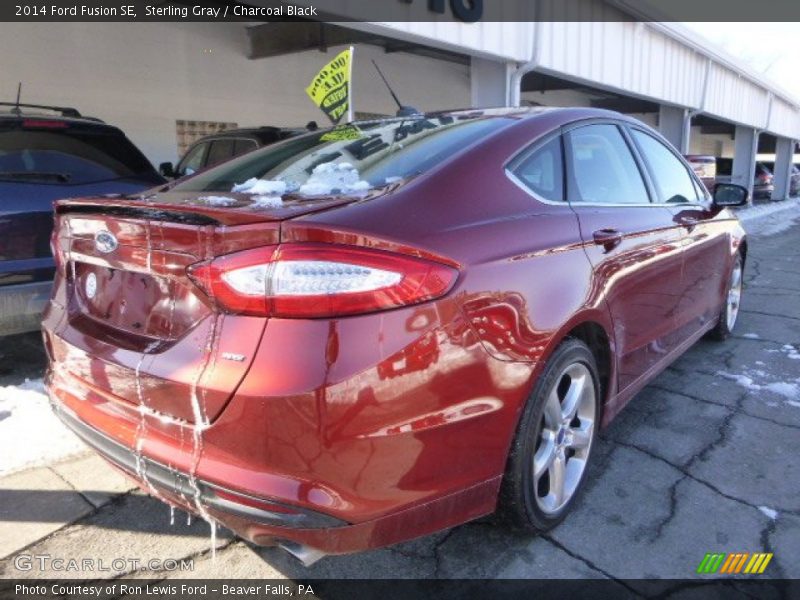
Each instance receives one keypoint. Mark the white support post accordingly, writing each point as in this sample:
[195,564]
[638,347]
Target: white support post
[745,144]
[784,152]
[674,123]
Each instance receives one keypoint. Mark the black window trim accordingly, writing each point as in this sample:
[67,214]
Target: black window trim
[648,184]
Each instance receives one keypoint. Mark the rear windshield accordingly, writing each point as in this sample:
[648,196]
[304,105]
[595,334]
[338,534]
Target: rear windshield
[69,156]
[350,159]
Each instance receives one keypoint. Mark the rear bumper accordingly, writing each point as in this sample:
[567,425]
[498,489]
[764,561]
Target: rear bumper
[292,527]
[180,486]
[21,306]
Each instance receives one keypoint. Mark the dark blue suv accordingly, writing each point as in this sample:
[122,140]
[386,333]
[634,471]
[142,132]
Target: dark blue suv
[47,153]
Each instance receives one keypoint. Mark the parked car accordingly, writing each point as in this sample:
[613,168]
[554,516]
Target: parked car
[214,149]
[762,179]
[348,340]
[794,178]
[705,167]
[48,153]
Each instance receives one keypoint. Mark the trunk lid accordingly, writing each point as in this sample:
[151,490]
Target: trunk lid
[135,326]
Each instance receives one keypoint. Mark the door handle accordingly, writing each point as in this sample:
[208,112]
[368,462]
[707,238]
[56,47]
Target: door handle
[608,238]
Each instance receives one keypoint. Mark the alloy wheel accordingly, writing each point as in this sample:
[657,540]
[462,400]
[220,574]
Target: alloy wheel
[565,438]
[734,295]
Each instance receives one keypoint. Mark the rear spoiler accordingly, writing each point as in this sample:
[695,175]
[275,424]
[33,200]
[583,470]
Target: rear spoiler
[156,211]
[134,212]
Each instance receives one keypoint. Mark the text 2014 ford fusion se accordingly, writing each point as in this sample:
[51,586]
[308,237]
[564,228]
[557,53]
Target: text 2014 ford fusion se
[364,335]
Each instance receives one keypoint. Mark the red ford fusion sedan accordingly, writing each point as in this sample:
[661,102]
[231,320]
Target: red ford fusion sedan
[364,335]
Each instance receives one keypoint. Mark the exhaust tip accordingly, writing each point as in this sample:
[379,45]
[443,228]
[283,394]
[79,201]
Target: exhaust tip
[305,554]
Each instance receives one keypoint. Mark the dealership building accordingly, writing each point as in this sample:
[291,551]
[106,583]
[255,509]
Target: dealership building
[168,83]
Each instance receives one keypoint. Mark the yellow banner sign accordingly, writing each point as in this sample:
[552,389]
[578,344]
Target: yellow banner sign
[342,133]
[330,89]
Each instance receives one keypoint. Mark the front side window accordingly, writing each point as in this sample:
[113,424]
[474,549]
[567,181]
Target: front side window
[193,161]
[602,169]
[542,171]
[671,177]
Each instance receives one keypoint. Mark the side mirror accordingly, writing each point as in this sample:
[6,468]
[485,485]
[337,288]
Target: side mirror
[730,194]
[166,169]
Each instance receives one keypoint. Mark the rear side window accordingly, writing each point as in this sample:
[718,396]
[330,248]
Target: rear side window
[602,169]
[69,156]
[220,151]
[671,177]
[241,146]
[542,171]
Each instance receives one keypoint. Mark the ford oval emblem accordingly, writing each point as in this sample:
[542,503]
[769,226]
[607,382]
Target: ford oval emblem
[105,241]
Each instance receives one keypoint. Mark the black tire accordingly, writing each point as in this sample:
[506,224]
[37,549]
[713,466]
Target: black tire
[724,327]
[519,501]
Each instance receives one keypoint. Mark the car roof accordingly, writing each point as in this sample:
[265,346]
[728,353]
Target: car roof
[252,132]
[263,135]
[14,110]
[520,113]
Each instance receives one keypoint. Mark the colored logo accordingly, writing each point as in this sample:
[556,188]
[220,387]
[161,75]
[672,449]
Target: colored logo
[105,241]
[734,562]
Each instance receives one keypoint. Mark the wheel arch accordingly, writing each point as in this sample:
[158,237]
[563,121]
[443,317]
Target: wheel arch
[594,329]
[596,338]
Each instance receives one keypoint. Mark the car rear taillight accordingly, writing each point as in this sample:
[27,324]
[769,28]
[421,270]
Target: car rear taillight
[764,178]
[54,248]
[44,124]
[319,280]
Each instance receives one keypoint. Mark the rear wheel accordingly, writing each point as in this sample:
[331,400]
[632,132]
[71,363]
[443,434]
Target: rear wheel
[730,309]
[554,440]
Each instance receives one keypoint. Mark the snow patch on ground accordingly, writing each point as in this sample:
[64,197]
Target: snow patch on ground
[785,389]
[765,220]
[217,200]
[757,380]
[331,177]
[30,434]
[770,512]
[742,380]
[751,336]
[791,352]
[261,187]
